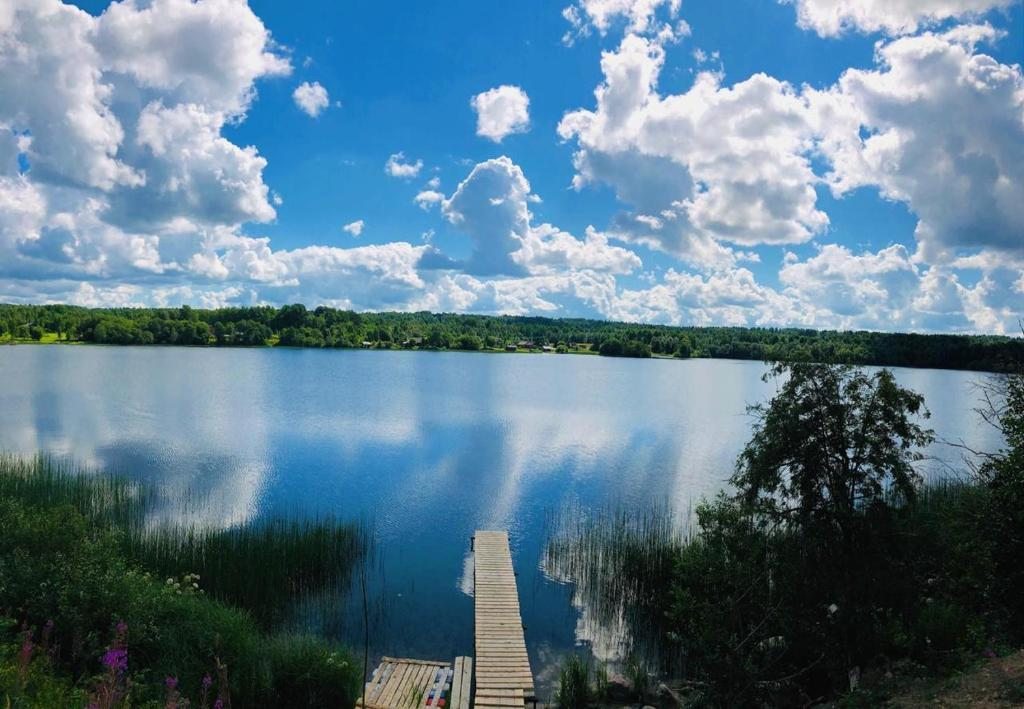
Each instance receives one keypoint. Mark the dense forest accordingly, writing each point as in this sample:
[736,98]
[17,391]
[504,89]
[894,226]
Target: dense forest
[297,326]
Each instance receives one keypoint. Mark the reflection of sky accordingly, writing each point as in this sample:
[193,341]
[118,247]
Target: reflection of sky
[425,447]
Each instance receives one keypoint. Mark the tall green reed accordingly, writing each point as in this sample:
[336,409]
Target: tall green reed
[621,564]
[264,567]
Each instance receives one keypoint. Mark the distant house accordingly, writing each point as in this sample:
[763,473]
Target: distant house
[526,344]
[412,342]
[548,348]
[367,343]
[511,348]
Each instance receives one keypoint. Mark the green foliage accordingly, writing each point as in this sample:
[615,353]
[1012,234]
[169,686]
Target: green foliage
[307,672]
[831,558]
[77,559]
[833,441]
[574,691]
[29,682]
[469,341]
[627,348]
[301,337]
[295,326]
[1003,475]
[292,558]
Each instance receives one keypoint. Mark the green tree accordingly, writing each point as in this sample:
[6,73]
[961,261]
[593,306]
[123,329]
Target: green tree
[684,349]
[437,338]
[1003,474]
[469,342]
[833,441]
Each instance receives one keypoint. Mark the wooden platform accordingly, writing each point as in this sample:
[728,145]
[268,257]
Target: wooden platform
[411,684]
[503,676]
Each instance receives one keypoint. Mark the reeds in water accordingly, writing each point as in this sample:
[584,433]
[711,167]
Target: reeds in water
[46,481]
[620,562]
[263,567]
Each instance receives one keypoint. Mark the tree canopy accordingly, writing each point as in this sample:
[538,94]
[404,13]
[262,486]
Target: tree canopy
[834,440]
[297,326]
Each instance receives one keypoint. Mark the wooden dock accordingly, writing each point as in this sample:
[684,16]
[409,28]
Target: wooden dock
[503,676]
[400,683]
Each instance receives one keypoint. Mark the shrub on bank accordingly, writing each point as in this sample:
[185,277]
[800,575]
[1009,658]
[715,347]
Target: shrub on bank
[830,560]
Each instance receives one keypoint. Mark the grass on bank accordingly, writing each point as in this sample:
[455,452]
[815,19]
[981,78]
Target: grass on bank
[82,577]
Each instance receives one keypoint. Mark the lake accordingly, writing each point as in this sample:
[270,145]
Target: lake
[424,447]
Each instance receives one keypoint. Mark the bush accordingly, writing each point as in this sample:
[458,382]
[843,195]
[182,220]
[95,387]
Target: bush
[1003,475]
[831,560]
[469,342]
[57,567]
[306,672]
[627,348]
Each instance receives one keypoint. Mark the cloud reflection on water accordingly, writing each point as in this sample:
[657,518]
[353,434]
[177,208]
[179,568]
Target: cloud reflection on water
[425,447]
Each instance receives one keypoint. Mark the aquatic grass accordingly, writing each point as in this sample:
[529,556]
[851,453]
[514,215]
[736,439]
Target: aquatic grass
[621,562]
[601,683]
[639,677]
[49,481]
[574,691]
[265,567]
[78,545]
[262,567]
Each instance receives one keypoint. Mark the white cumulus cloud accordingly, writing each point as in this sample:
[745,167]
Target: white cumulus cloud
[716,163]
[501,112]
[830,18]
[311,99]
[492,206]
[354,228]
[398,166]
[940,127]
[425,199]
[637,15]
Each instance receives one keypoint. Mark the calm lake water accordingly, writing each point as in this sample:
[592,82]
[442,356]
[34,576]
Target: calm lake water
[423,447]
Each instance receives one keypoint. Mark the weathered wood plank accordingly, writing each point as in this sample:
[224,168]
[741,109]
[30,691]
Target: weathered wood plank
[461,683]
[406,684]
[503,675]
[392,685]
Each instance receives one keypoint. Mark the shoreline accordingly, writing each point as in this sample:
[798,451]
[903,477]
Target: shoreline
[486,351]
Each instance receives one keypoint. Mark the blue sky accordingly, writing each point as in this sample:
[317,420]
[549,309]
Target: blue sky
[842,164]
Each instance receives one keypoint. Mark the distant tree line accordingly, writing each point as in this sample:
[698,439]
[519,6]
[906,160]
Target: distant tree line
[297,326]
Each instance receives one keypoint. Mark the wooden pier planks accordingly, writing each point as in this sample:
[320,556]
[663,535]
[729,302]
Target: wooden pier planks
[408,684]
[503,676]
[462,683]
